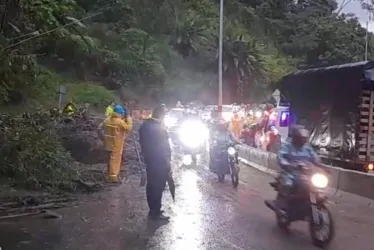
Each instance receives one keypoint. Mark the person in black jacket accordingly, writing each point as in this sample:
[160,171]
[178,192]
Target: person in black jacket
[154,142]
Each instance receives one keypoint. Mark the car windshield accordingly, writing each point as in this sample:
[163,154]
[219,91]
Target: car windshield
[226,109]
[209,108]
[176,113]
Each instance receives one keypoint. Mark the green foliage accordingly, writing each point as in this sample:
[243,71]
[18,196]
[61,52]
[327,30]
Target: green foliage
[17,76]
[278,65]
[313,33]
[45,86]
[131,42]
[30,152]
[154,48]
[97,95]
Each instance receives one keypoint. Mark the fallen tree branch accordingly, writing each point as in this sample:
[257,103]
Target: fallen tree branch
[13,216]
[43,206]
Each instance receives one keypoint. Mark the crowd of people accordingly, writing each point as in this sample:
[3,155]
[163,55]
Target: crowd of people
[156,151]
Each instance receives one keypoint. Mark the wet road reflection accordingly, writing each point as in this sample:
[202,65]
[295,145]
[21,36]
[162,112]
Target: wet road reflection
[187,223]
[207,215]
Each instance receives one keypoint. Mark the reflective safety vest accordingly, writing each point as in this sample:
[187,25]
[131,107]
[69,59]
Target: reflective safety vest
[70,109]
[109,111]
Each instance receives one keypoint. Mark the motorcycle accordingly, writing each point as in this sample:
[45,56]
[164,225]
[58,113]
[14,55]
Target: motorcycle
[192,135]
[301,197]
[225,161]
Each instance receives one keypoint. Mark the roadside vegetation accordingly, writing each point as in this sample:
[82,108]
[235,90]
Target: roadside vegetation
[155,50]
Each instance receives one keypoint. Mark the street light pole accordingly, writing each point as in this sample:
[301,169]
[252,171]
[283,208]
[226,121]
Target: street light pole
[367,34]
[220,59]
[366,40]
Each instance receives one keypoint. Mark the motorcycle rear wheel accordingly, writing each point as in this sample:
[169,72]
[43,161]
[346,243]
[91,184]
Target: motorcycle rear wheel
[319,240]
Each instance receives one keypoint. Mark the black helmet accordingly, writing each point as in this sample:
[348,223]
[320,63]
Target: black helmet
[299,135]
[159,111]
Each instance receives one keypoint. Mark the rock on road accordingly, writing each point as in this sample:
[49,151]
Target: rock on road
[206,215]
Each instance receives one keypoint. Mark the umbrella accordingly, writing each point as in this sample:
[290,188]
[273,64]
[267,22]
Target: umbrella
[171,185]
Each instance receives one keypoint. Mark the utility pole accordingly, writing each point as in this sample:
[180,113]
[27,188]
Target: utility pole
[366,40]
[367,34]
[220,59]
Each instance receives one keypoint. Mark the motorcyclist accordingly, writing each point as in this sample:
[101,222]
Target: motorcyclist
[296,150]
[220,137]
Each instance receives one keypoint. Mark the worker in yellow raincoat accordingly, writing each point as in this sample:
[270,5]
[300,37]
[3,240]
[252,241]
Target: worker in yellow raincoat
[236,125]
[250,119]
[115,128]
[109,110]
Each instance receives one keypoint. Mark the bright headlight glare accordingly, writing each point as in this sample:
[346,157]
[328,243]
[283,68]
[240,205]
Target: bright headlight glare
[231,151]
[193,134]
[169,121]
[187,160]
[320,180]
[226,116]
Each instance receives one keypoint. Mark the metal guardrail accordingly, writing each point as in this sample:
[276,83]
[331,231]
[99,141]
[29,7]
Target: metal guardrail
[350,181]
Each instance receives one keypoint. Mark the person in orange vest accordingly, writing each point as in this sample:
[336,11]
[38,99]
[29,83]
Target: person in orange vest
[115,128]
[236,125]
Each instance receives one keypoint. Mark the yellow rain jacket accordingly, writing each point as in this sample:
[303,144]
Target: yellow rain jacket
[249,120]
[115,131]
[236,125]
[109,111]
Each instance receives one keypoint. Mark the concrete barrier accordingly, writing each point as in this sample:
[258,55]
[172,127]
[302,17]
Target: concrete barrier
[341,180]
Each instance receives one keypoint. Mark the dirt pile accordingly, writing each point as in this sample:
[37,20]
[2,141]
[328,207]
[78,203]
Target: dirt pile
[80,137]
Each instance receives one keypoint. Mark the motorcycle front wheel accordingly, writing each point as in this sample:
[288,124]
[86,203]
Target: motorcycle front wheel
[234,175]
[322,234]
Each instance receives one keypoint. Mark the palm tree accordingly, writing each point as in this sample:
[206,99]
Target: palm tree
[189,31]
[244,64]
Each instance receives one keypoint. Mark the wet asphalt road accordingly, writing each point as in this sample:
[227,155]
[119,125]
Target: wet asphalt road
[206,215]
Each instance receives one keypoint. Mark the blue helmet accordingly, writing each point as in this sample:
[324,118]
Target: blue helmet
[118,109]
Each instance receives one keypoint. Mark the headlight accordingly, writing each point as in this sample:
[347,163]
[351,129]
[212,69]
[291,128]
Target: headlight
[187,160]
[231,151]
[258,114]
[262,138]
[193,134]
[226,116]
[320,180]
